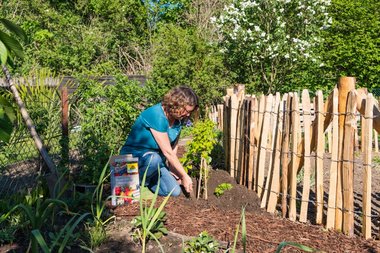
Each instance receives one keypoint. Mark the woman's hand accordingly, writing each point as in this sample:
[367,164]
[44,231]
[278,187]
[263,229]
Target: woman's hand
[187,183]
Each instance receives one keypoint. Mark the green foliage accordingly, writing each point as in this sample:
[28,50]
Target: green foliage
[202,144]
[220,189]
[37,210]
[158,228]
[186,131]
[7,117]
[43,103]
[63,239]
[105,114]
[264,41]
[182,57]
[150,223]
[97,228]
[202,243]
[9,46]
[80,36]
[351,45]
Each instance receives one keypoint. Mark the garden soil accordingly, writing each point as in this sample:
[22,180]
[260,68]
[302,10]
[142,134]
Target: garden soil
[219,216]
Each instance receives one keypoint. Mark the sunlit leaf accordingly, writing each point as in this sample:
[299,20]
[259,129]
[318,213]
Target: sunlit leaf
[12,44]
[13,28]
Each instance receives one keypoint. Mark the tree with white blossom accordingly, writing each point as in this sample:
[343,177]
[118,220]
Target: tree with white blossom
[264,40]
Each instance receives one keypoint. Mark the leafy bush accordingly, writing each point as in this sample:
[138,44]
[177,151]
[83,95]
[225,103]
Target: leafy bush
[264,41]
[105,114]
[351,45]
[220,189]
[202,144]
[182,57]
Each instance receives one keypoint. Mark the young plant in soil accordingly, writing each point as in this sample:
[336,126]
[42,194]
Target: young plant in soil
[197,158]
[203,243]
[150,223]
[220,189]
[62,240]
[96,229]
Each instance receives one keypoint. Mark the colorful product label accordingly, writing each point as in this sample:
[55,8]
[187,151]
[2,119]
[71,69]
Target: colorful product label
[125,183]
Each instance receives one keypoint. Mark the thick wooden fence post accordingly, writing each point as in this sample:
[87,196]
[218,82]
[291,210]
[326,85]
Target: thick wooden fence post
[345,85]
[348,164]
[367,166]
[65,126]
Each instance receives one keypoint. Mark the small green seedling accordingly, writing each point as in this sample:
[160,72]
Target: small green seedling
[203,243]
[220,189]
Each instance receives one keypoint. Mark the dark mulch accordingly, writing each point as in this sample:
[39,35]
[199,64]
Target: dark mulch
[219,217]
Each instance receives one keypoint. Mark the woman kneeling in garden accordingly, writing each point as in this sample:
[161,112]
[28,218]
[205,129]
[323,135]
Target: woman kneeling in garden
[154,137]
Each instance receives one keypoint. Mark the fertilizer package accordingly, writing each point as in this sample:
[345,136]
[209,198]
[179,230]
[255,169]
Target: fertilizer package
[125,185]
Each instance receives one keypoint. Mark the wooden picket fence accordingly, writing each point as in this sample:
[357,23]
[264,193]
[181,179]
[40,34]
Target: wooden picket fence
[275,145]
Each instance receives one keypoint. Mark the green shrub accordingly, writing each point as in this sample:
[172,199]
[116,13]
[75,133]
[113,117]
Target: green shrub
[183,57]
[202,144]
[104,115]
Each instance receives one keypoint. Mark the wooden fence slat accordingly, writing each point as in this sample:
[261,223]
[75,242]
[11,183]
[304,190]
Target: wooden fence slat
[226,131]
[260,118]
[233,127]
[306,181]
[367,166]
[255,143]
[263,145]
[245,141]
[252,124]
[330,223]
[294,168]
[348,166]
[275,184]
[285,156]
[270,147]
[220,117]
[320,150]
[239,143]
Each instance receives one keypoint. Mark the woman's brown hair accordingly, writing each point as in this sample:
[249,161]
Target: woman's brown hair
[179,97]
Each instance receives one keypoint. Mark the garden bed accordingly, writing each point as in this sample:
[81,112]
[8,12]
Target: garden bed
[219,217]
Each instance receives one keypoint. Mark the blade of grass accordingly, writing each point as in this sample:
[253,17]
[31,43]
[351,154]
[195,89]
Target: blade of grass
[294,244]
[41,241]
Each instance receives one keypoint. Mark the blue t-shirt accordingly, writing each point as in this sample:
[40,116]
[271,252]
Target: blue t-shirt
[140,140]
